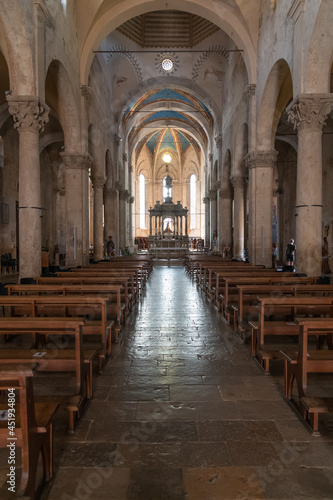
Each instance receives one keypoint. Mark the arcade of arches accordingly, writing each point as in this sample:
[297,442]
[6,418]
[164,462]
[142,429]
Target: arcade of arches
[93,93]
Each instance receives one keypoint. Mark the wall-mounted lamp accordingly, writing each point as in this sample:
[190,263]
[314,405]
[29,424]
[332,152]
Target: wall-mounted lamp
[118,139]
[8,92]
[63,148]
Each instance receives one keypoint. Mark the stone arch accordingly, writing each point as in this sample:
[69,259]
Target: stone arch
[224,16]
[320,53]
[277,94]
[60,97]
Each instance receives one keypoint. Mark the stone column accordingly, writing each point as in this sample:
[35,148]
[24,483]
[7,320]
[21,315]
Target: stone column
[130,219]
[238,243]
[225,207]
[111,215]
[250,91]
[260,165]
[213,213]
[123,197]
[98,184]
[77,208]
[308,113]
[29,115]
[206,201]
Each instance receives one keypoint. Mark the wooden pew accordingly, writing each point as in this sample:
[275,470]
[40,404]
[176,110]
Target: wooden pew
[115,308]
[290,306]
[298,364]
[93,308]
[245,304]
[33,430]
[57,326]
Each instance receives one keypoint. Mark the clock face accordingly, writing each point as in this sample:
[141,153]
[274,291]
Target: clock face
[167,64]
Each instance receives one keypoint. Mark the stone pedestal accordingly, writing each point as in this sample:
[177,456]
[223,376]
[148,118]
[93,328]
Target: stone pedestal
[29,116]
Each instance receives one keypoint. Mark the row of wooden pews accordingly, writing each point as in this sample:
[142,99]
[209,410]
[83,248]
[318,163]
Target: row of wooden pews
[64,323]
[286,317]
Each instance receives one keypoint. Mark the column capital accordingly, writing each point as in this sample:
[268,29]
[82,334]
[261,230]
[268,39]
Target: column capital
[238,181]
[29,112]
[310,111]
[125,157]
[210,157]
[77,161]
[218,141]
[124,194]
[212,194]
[110,193]
[250,90]
[255,159]
[206,199]
[86,92]
[98,181]
[131,199]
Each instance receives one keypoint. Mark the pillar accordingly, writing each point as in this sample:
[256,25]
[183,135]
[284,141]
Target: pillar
[238,243]
[260,165]
[225,207]
[98,184]
[111,215]
[308,113]
[77,208]
[206,201]
[213,214]
[123,197]
[29,115]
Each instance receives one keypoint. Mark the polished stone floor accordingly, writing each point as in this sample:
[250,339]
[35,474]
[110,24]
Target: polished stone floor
[182,412]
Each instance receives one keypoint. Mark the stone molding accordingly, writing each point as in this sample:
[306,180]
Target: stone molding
[98,181]
[250,90]
[310,111]
[266,159]
[29,113]
[111,193]
[77,161]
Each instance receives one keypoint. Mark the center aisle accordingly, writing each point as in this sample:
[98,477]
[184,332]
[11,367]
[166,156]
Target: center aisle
[183,412]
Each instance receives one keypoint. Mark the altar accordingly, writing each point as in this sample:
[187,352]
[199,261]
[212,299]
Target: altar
[168,227]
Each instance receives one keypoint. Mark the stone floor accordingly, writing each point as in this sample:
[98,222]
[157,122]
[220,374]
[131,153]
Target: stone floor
[182,412]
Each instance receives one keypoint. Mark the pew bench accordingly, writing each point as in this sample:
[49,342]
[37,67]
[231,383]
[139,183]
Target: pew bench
[33,426]
[314,406]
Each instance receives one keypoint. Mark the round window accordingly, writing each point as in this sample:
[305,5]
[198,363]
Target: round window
[167,64]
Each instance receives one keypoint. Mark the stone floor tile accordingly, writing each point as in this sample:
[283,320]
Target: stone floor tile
[257,453]
[194,393]
[156,484]
[222,483]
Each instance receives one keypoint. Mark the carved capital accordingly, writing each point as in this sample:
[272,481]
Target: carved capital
[210,157]
[29,113]
[125,156]
[237,181]
[77,161]
[218,141]
[131,199]
[98,181]
[212,193]
[111,193]
[261,159]
[250,90]
[206,199]
[124,194]
[86,92]
[310,111]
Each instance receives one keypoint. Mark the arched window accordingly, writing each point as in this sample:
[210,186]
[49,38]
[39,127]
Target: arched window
[142,198]
[193,201]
